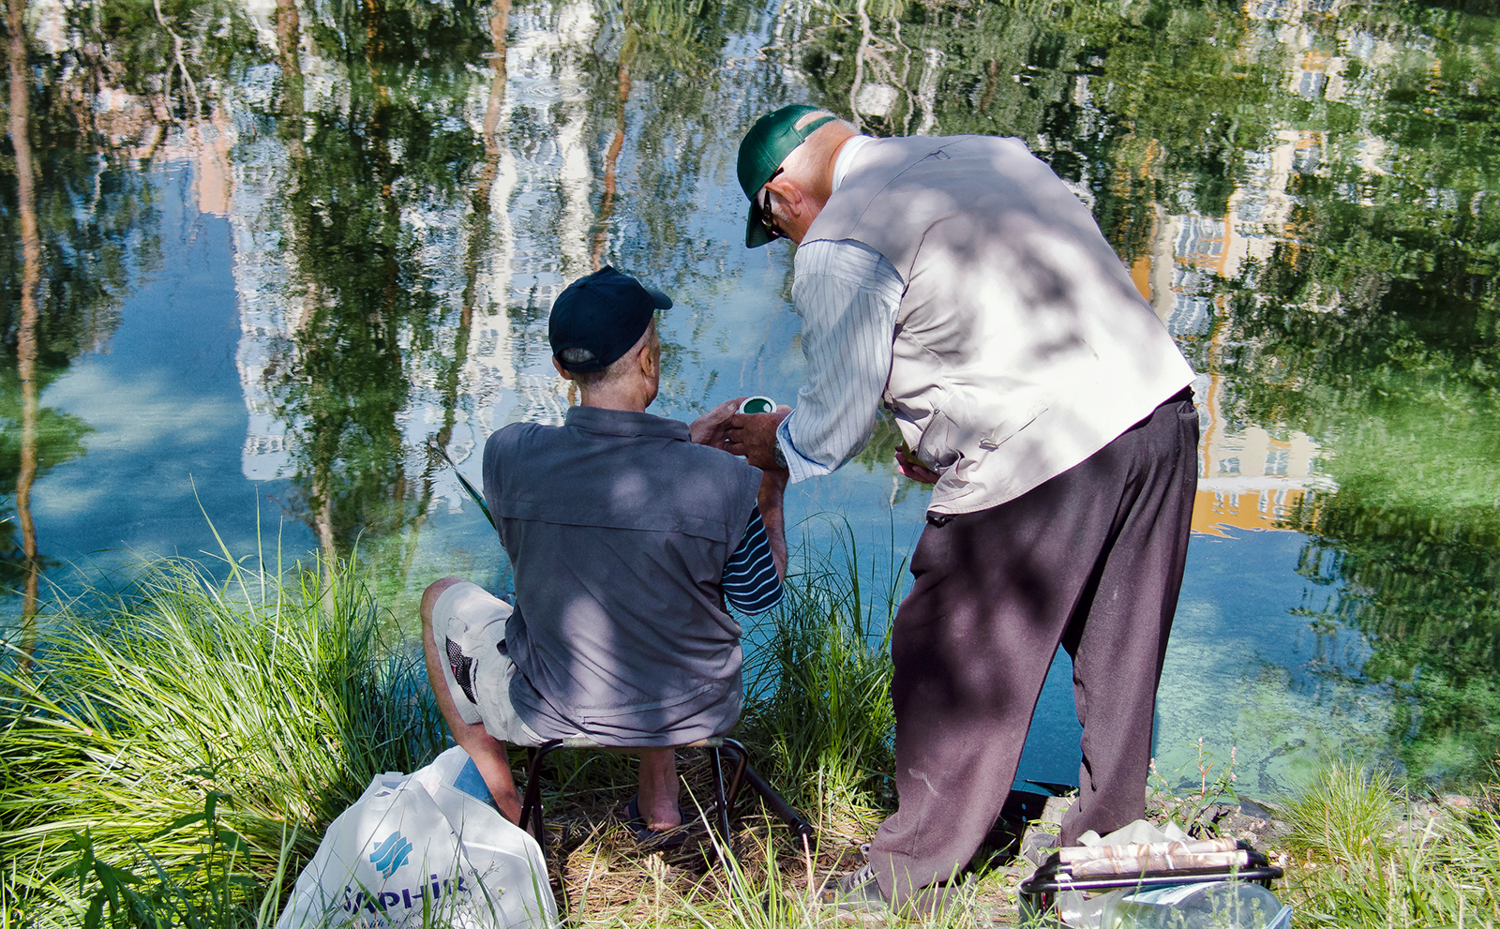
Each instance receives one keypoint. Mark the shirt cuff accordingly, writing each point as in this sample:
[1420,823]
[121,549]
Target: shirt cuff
[799,467]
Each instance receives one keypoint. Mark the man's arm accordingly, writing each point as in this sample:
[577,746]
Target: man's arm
[768,501]
[712,428]
[848,296]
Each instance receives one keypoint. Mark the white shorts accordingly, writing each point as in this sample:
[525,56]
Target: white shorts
[468,625]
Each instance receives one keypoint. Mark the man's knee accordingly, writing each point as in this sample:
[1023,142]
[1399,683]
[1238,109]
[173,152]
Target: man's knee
[430,598]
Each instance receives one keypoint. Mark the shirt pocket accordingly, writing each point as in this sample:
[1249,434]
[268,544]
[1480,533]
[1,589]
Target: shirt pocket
[968,426]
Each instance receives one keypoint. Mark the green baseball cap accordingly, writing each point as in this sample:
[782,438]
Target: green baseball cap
[765,147]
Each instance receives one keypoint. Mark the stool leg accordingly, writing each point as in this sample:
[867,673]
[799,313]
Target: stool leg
[721,800]
[531,804]
[737,780]
[800,827]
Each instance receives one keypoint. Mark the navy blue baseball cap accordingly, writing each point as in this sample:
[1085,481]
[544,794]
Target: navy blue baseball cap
[604,314]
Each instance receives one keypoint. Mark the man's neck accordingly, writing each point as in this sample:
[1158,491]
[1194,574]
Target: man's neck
[627,401]
[825,184]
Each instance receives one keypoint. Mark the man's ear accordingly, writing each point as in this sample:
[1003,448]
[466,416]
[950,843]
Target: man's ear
[567,375]
[650,360]
[787,190]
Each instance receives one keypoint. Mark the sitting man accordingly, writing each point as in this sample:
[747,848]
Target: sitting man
[626,539]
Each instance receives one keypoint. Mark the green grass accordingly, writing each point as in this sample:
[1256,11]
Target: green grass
[818,714]
[198,735]
[1360,855]
[173,752]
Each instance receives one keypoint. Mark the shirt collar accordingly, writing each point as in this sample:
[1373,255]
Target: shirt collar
[845,159]
[625,423]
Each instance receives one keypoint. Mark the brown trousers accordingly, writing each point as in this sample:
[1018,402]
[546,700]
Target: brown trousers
[1091,560]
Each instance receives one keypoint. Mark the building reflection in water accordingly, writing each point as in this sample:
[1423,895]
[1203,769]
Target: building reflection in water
[1249,476]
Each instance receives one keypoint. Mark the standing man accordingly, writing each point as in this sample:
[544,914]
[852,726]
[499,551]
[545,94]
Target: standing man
[961,283]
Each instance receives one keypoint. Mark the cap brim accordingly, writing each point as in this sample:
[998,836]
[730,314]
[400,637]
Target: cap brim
[658,299]
[755,230]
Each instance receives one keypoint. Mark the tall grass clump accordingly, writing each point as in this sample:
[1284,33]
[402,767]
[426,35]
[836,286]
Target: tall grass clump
[1361,856]
[189,736]
[818,712]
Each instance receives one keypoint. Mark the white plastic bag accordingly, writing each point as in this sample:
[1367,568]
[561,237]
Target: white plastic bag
[424,849]
[1211,905]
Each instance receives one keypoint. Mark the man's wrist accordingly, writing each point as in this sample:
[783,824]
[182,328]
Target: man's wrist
[777,455]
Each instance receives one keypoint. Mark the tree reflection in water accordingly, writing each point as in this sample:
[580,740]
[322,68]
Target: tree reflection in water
[341,379]
[63,270]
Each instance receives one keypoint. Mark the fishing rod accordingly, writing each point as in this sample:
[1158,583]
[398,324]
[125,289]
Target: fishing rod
[464,481]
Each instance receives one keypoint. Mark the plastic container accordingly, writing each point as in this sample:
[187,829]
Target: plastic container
[758,405]
[1053,896]
[1216,905]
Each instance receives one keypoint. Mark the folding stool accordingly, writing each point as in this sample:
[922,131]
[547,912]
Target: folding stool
[724,796]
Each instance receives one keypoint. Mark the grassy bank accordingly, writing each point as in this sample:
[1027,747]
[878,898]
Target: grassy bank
[197,731]
[1363,853]
[179,747]
[171,755]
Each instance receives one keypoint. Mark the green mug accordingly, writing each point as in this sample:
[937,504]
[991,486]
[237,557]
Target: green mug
[758,405]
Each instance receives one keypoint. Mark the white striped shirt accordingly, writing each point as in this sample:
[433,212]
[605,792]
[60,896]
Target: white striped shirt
[847,295]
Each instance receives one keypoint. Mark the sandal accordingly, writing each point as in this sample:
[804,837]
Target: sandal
[647,837]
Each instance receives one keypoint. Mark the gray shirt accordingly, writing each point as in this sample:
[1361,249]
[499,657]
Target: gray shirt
[619,528]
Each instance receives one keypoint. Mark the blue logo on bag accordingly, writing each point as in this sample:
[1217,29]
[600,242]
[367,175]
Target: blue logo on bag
[390,854]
